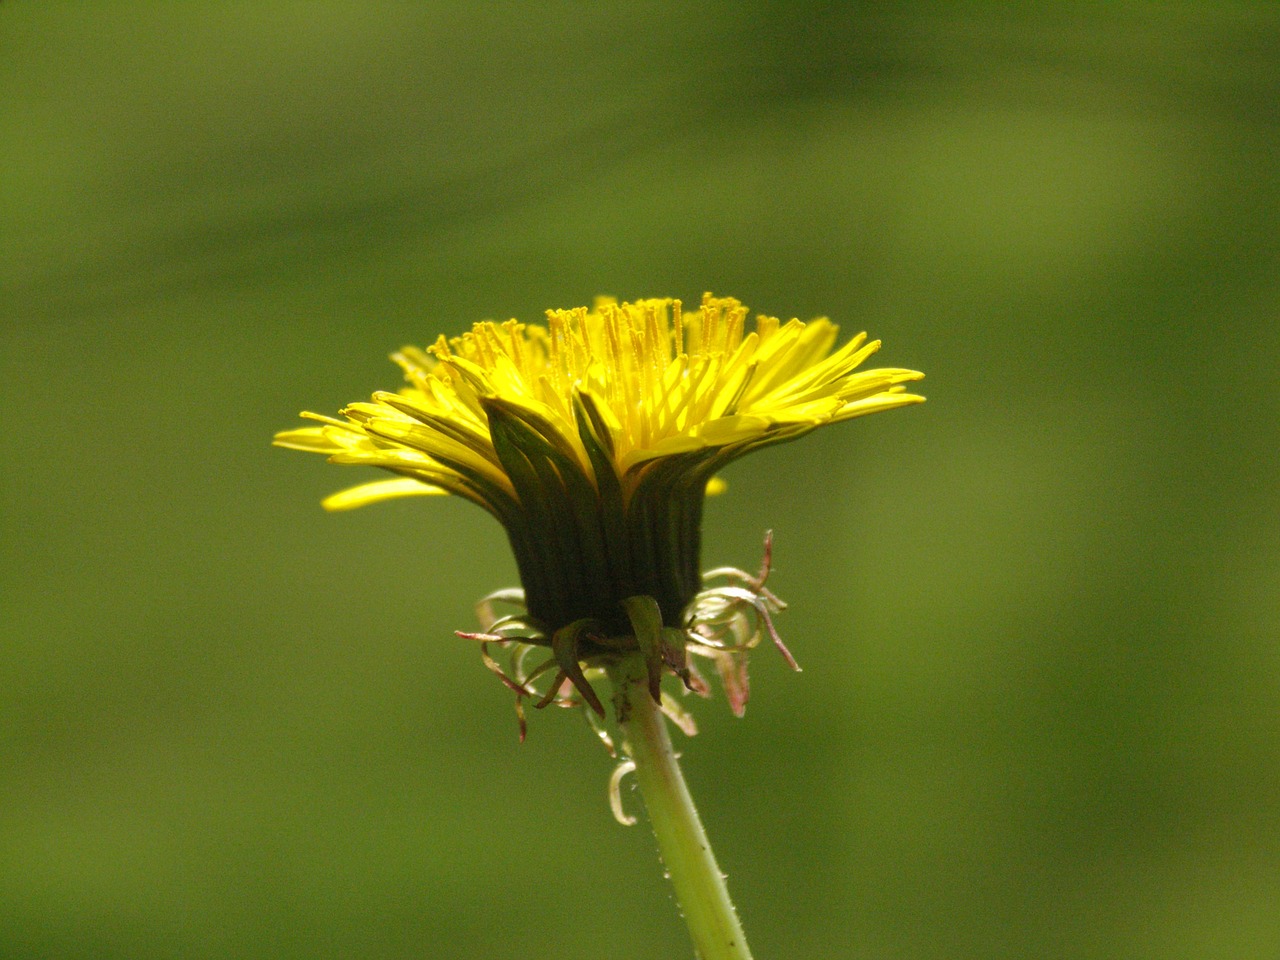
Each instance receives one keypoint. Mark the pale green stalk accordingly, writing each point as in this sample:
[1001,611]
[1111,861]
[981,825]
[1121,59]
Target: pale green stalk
[686,852]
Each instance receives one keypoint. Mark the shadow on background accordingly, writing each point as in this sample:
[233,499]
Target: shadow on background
[1037,615]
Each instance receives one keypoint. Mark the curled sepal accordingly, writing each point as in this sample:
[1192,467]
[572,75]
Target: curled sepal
[519,687]
[734,678]
[518,680]
[484,606]
[564,644]
[761,605]
[726,622]
[678,715]
[615,793]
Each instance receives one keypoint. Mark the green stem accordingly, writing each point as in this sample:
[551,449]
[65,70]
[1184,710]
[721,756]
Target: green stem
[699,884]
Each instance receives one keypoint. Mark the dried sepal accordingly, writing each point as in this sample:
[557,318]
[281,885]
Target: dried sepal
[722,624]
[678,715]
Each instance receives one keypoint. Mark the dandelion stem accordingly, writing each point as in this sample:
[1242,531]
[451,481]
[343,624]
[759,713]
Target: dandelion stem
[691,865]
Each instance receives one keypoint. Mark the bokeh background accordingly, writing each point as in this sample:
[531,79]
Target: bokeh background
[1040,715]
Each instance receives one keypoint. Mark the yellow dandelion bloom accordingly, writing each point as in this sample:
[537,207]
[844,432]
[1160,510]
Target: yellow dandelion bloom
[593,439]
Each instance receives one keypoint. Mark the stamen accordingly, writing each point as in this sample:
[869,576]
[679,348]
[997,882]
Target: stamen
[613,355]
[733,328]
[479,344]
[677,327]
[440,349]
[517,346]
[636,385]
[710,323]
[766,326]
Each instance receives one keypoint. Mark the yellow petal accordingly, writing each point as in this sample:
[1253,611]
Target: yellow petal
[309,439]
[667,447]
[735,429]
[354,497]
[881,401]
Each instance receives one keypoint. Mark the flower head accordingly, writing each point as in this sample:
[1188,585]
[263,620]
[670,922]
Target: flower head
[594,439]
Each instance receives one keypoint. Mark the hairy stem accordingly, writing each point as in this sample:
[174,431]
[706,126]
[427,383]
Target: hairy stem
[699,884]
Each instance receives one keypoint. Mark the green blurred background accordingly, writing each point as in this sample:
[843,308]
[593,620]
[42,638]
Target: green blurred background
[1040,715]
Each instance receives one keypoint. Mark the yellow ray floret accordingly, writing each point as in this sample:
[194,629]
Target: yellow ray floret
[657,382]
[594,439]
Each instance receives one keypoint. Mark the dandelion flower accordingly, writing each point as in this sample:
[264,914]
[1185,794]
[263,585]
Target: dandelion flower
[594,439]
